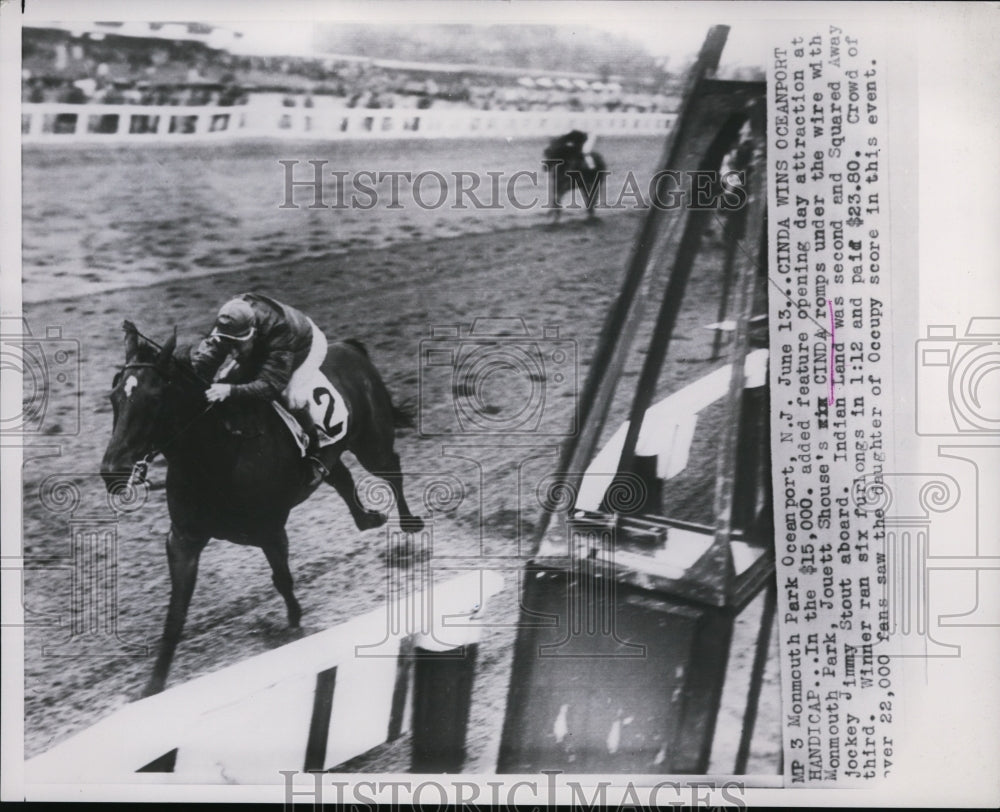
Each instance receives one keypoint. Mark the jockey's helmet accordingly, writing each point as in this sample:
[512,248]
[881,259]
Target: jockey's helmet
[235,321]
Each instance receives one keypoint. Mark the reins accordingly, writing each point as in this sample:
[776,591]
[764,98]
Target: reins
[141,467]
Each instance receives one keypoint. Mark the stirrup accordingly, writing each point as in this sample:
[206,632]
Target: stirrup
[319,471]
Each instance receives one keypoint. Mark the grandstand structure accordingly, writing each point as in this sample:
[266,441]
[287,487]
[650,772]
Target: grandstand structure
[198,65]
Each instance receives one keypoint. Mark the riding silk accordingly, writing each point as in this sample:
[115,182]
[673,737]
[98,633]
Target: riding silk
[281,344]
[283,363]
[309,389]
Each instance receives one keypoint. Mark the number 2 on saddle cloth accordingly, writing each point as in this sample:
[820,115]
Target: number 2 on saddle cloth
[326,406]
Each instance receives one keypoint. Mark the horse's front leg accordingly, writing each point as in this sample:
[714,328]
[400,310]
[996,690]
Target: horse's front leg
[275,547]
[592,194]
[593,186]
[556,192]
[183,552]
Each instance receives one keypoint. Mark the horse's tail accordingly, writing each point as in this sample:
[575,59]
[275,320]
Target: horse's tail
[404,415]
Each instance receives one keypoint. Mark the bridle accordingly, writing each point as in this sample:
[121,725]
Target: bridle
[141,467]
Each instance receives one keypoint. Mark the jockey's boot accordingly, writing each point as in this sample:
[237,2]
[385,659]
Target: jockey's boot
[317,469]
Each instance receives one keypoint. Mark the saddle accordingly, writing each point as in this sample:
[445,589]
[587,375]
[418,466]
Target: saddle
[294,426]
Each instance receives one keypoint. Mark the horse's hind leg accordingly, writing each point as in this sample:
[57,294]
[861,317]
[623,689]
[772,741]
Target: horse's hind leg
[183,553]
[341,479]
[555,213]
[388,467]
[556,192]
[592,193]
[275,547]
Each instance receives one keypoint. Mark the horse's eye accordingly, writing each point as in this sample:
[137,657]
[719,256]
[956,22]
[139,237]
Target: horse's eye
[117,379]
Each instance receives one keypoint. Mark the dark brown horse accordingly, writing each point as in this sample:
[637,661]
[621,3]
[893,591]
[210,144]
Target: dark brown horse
[571,170]
[233,470]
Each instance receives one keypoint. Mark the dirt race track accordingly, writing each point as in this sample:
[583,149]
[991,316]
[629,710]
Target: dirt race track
[388,287]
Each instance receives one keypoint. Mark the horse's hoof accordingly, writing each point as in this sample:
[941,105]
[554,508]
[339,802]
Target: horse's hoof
[371,519]
[152,689]
[411,524]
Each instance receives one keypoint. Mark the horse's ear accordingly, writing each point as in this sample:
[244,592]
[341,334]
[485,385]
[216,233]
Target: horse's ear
[131,339]
[167,351]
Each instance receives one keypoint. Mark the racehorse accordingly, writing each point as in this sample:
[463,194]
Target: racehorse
[568,172]
[234,471]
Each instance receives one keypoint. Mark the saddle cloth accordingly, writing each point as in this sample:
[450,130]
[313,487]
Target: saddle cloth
[328,411]
[327,408]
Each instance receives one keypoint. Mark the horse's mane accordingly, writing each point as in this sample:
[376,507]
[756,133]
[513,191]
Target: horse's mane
[147,352]
[182,370]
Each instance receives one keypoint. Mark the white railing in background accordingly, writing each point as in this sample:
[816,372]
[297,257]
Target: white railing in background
[116,123]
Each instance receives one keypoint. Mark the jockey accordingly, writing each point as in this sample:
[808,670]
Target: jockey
[274,351]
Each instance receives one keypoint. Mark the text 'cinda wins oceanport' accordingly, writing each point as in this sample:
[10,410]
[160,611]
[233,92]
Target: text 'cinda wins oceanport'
[829,282]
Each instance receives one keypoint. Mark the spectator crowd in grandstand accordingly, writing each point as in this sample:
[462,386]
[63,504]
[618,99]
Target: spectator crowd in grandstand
[59,66]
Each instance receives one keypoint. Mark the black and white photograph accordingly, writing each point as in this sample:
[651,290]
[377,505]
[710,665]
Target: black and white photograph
[499,403]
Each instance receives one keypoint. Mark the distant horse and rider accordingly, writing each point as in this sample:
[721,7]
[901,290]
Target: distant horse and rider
[573,166]
[219,415]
